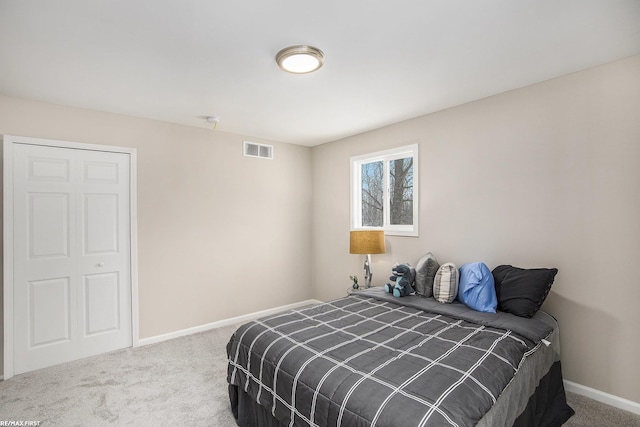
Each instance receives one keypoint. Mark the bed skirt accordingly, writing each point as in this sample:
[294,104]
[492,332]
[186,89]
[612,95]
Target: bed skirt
[547,407]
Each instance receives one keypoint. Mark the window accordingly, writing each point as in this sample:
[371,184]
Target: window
[384,191]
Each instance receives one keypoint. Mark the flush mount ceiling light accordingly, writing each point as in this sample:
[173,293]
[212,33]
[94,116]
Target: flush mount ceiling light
[300,59]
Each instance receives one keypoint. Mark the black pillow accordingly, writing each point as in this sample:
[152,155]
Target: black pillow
[522,291]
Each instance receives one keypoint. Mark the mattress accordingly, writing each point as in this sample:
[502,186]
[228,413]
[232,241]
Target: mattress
[371,359]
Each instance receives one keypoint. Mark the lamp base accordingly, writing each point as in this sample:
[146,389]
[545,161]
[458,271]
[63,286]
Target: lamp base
[368,275]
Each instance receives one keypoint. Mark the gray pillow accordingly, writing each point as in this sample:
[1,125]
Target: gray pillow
[445,284]
[425,273]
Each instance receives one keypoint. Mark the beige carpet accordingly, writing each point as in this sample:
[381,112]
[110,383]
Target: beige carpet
[180,382]
[177,382]
[592,413]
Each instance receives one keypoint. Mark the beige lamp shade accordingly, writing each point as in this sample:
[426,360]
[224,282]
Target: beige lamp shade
[366,242]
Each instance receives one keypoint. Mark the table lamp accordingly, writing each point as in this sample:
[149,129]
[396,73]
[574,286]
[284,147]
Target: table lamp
[367,242]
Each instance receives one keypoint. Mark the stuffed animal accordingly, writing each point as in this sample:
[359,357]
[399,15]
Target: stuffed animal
[404,276]
[388,287]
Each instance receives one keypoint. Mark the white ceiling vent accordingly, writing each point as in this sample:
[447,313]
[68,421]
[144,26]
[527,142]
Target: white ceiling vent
[251,149]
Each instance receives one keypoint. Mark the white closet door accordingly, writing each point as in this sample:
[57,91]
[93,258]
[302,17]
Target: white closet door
[72,260]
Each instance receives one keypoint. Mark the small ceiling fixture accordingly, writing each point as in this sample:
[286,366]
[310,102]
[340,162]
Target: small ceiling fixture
[300,59]
[214,120]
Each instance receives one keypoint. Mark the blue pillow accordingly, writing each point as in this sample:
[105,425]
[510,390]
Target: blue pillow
[476,288]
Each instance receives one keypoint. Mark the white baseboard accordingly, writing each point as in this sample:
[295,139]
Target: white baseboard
[601,396]
[224,322]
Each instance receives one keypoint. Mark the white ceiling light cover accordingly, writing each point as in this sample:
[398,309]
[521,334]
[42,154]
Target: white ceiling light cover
[300,59]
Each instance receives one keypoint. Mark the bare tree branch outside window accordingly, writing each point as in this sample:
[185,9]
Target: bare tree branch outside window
[373,194]
[401,191]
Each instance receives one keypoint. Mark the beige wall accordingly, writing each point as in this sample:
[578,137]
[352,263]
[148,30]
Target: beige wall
[220,234]
[544,176]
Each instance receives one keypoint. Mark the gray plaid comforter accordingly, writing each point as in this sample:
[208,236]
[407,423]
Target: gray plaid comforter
[370,360]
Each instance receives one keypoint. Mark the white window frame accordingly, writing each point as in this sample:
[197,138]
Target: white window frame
[356,189]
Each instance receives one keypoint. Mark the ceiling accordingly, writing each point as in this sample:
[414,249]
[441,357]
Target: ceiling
[386,61]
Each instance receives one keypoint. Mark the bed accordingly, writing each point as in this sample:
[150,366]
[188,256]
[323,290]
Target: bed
[370,359]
